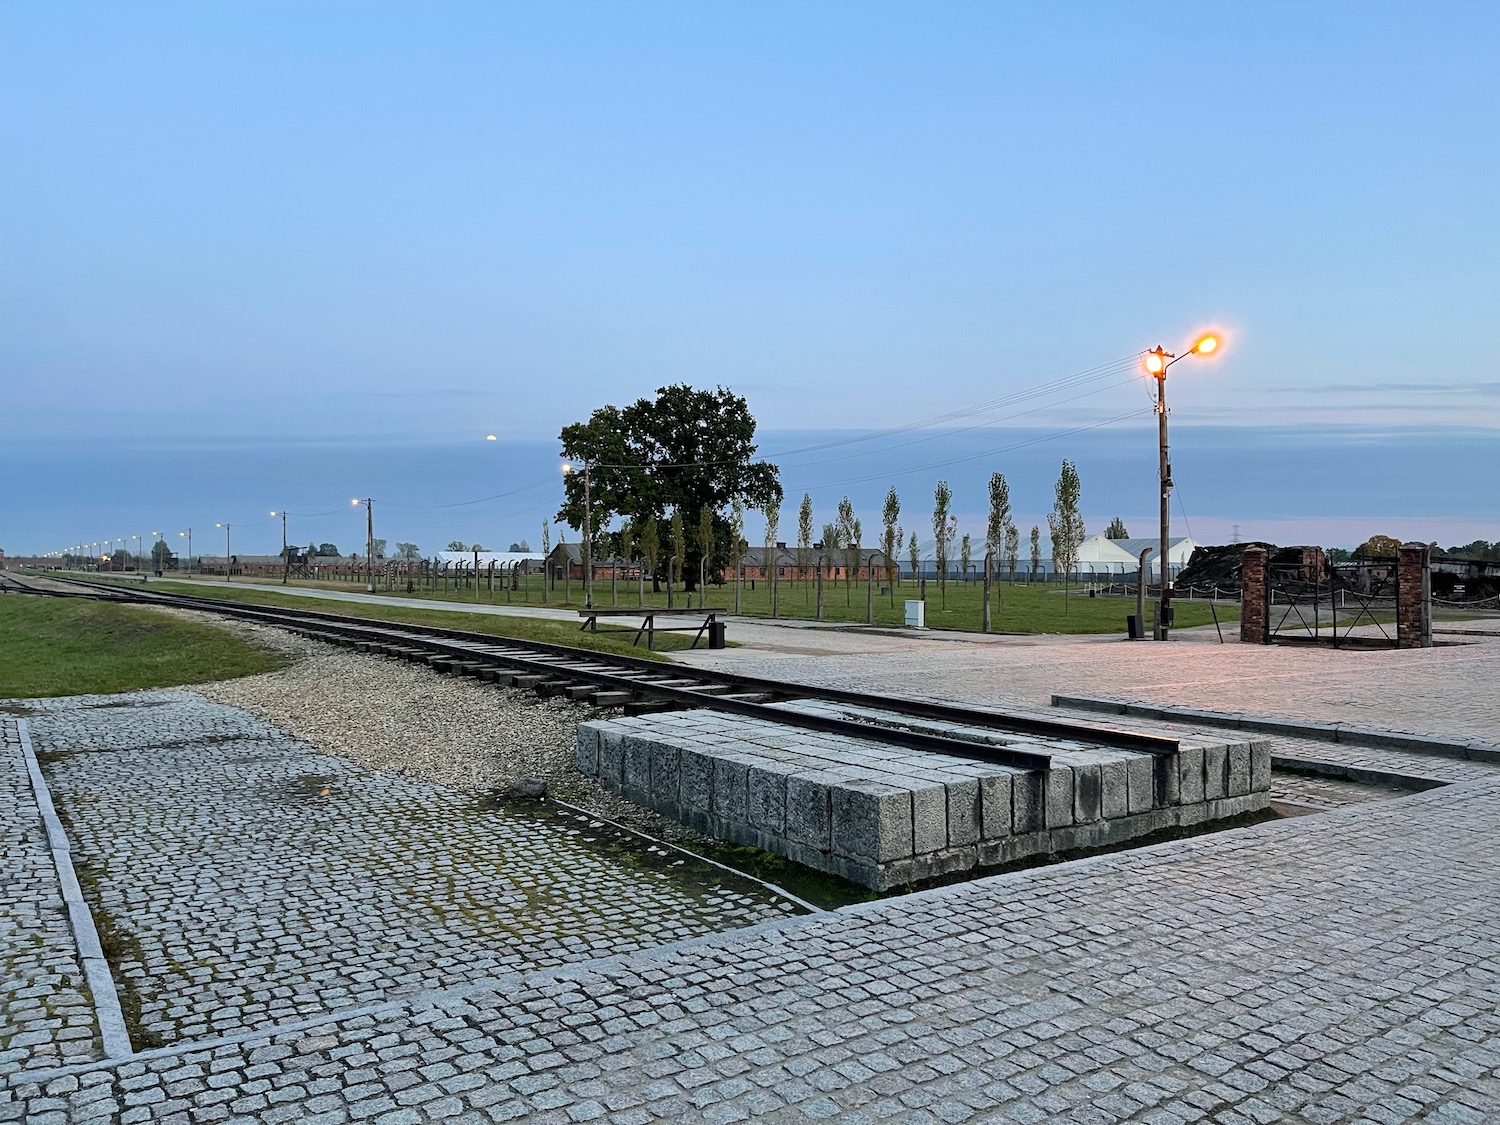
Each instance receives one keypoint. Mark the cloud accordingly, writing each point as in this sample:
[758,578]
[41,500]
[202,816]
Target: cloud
[1487,389]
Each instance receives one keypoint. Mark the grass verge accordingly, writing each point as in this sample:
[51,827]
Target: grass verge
[545,630]
[55,646]
[1016,607]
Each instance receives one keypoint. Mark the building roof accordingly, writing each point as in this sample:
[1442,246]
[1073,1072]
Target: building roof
[1135,546]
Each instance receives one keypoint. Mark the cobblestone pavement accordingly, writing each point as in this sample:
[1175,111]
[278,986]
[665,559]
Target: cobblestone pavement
[1328,792]
[1342,967]
[1300,971]
[252,880]
[46,1014]
[1443,691]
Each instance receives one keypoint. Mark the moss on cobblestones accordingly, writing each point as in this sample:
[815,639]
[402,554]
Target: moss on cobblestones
[51,647]
[123,952]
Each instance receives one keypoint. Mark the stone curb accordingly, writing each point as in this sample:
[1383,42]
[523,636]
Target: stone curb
[112,1032]
[1312,767]
[1474,751]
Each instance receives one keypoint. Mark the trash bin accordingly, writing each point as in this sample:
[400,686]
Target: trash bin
[1133,627]
[716,634]
[916,614]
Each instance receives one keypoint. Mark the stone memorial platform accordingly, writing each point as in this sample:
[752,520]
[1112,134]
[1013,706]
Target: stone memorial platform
[883,816]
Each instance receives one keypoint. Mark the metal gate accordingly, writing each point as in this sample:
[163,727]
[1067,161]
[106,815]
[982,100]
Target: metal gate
[1352,604]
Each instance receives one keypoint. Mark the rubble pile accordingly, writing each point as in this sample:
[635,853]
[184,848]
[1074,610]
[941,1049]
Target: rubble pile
[1221,566]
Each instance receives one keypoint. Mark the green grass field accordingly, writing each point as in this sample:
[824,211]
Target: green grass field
[56,646]
[1016,608]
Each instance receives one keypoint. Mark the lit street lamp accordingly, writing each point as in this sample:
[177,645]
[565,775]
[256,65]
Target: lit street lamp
[1157,362]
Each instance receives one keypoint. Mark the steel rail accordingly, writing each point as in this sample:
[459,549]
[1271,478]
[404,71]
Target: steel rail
[533,656]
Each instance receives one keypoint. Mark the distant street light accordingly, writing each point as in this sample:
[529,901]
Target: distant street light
[369,542]
[227,570]
[286,563]
[188,534]
[588,543]
[1157,362]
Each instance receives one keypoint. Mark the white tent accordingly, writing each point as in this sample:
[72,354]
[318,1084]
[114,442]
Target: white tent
[1180,548]
[1101,556]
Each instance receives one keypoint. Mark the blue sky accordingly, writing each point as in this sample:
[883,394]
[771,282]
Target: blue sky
[346,236]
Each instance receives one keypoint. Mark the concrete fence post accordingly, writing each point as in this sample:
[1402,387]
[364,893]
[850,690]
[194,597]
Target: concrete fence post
[1255,606]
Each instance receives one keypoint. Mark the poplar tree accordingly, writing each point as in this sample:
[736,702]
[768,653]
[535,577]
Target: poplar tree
[891,540]
[804,541]
[1065,522]
[679,550]
[849,535]
[650,552]
[627,548]
[1012,549]
[914,554]
[831,540]
[965,555]
[1036,549]
[999,528]
[994,532]
[546,556]
[768,566]
[737,538]
[705,549]
[942,500]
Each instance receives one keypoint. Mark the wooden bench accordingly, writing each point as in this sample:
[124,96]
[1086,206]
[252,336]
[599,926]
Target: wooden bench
[648,625]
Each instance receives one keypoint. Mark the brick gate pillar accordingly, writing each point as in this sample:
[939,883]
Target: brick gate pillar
[1414,596]
[1255,606]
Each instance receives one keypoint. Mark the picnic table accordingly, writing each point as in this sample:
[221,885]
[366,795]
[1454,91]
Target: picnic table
[702,620]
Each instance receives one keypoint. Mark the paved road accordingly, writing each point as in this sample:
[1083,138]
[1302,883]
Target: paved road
[1338,967]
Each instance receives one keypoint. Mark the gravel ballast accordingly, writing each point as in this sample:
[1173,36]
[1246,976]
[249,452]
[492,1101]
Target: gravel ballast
[388,715]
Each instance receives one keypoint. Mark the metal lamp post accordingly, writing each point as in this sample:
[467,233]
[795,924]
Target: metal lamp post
[286,563]
[188,535]
[369,541]
[588,539]
[228,571]
[1157,362]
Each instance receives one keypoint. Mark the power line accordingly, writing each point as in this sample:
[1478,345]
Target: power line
[1065,382]
[974,456]
[965,429]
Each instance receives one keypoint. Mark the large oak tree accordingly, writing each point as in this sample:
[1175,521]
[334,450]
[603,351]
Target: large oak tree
[685,450]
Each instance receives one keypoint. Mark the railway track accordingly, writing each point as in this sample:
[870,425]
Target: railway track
[640,685]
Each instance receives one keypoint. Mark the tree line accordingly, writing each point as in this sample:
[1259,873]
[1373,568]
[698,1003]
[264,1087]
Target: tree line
[668,480]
